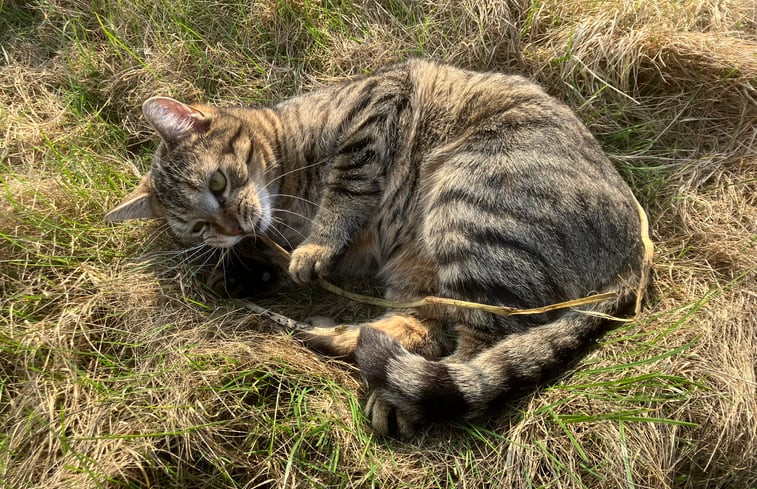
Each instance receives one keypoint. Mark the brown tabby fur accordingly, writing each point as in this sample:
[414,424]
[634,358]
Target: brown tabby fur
[437,180]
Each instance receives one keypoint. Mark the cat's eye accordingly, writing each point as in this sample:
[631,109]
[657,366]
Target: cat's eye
[199,226]
[217,182]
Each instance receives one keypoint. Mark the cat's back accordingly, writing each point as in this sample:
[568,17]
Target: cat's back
[514,167]
[463,96]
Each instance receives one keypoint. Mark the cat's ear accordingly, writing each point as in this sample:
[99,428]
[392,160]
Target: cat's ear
[136,205]
[173,120]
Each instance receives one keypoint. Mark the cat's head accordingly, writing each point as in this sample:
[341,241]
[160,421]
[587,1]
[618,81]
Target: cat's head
[206,180]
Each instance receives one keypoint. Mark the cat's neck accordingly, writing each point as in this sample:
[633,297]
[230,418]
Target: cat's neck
[303,135]
[300,141]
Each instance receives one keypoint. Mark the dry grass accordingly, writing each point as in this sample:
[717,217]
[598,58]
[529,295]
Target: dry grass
[120,371]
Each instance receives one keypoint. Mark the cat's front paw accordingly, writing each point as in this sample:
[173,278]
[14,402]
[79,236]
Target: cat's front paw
[386,419]
[311,261]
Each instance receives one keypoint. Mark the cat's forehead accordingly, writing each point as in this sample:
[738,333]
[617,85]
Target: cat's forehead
[181,171]
[182,199]
[187,166]
[178,177]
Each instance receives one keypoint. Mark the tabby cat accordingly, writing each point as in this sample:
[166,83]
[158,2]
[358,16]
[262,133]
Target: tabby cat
[438,181]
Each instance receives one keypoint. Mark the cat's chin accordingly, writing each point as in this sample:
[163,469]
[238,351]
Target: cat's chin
[222,241]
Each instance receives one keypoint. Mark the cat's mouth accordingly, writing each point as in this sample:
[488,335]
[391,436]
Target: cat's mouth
[225,237]
[223,241]
[228,228]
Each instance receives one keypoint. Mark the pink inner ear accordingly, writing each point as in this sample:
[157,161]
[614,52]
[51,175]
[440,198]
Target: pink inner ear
[174,120]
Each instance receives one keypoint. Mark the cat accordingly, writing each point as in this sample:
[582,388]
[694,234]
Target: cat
[437,181]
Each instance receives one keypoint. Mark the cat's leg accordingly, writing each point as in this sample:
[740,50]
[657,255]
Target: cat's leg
[423,336]
[353,187]
[384,414]
[469,343]
[408,276]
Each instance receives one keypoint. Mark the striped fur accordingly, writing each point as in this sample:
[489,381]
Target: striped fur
[438,181]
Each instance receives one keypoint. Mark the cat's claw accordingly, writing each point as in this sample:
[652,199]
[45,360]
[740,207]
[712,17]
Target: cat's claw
[386,419]
[310,261]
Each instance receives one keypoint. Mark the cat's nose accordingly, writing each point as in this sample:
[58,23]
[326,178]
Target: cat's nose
[227,225]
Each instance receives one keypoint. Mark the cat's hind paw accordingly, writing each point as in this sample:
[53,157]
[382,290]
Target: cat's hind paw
[334,341]
[386,419]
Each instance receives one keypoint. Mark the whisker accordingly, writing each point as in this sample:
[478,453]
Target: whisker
[308,201]
[158,233]
[284,223]
[167,255]
[207,258]
[265,187]
[220,261]
[278,163]
[288,243]
[197,251]
[276,209]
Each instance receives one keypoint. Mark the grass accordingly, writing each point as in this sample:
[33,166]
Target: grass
[120,370]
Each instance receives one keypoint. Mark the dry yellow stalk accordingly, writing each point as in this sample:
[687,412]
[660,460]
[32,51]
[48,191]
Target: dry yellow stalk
[499,310]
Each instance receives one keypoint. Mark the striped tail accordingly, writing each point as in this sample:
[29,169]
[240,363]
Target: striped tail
[420,390]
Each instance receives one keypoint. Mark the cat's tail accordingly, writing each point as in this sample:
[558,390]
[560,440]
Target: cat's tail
[421,390]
